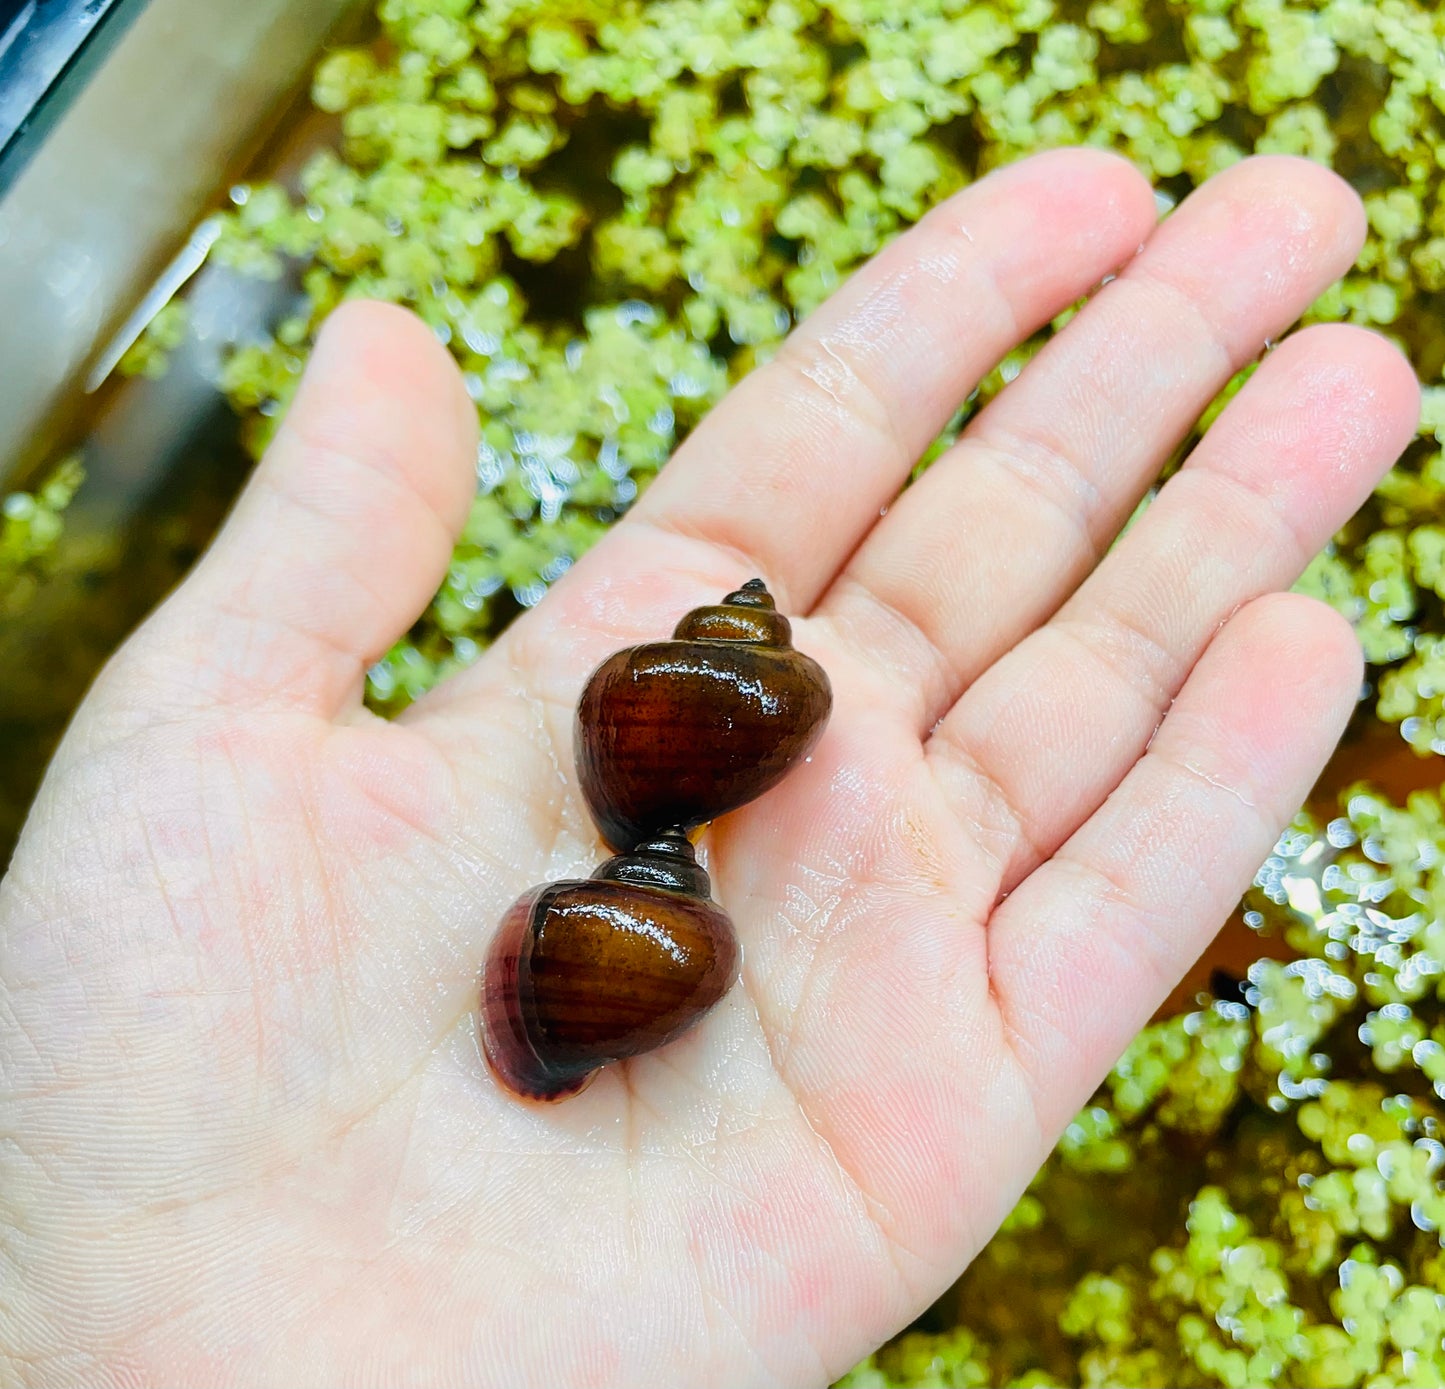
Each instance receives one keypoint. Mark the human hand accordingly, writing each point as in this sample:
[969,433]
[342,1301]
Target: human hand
[248,1133]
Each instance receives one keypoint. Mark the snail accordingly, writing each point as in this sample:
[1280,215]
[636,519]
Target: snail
[669,735]
[591,970]
[675,733]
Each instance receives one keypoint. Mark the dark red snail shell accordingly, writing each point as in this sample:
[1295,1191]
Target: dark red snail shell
[588,971]
[676,733]
[669,735]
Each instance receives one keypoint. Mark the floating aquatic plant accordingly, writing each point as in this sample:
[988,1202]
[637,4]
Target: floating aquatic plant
[30,529]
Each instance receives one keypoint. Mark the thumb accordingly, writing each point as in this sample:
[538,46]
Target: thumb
[340,538]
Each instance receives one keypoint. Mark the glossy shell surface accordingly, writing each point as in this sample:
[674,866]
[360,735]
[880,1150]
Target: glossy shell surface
[676,733]
[592,970]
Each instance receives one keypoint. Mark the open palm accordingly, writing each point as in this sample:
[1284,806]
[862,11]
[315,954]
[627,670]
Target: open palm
[248,1133]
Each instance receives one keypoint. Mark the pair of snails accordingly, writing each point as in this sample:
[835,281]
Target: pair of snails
[669,735]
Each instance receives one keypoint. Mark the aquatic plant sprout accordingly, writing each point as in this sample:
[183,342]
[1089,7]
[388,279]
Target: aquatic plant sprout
[30,529]
[608,212]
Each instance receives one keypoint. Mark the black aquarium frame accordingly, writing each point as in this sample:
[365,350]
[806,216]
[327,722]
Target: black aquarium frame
[47,49]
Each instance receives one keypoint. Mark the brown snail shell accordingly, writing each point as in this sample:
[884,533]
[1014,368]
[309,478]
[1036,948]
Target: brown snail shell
[675,733]
[588,971]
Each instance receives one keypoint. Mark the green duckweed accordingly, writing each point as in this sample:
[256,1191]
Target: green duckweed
[30,529]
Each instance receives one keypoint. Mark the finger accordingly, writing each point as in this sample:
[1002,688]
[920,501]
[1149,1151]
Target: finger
[1090,944]
[1005,525]
[1044,735]
[792,468]
[343,532]
[796,463]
